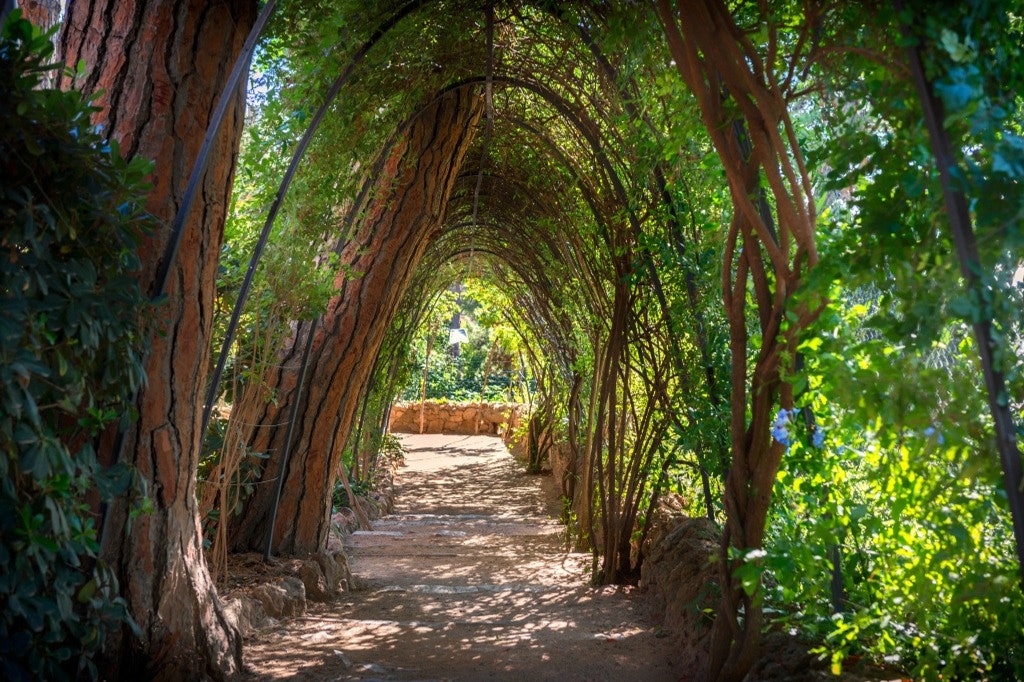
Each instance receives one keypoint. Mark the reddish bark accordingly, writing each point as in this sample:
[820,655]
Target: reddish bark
[714,57]
[161,65]
[406,211]
[43,13]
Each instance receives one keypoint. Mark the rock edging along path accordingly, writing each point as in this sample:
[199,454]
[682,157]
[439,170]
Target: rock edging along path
[467,580]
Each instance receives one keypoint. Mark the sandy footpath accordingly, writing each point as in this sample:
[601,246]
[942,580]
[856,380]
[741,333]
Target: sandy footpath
[468,580]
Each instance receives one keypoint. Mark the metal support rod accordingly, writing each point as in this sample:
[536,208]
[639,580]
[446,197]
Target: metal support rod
[300,151]
[203,160]
[286,453]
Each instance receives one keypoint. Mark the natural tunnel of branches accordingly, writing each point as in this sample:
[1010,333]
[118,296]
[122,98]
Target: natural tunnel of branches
[762,258]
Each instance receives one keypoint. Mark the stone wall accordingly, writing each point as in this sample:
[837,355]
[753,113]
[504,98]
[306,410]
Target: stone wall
[679,570]
[467,418]
[562,467]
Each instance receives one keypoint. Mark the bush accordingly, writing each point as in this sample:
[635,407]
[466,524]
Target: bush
[72,345]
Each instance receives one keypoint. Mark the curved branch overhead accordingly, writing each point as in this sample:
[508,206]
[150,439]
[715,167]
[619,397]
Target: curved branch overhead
[606,156]
[582,94]
[675,226]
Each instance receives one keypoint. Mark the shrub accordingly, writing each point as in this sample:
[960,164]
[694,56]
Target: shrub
[72,344]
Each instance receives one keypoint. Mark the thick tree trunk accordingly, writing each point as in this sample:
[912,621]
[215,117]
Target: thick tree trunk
[406,211]
[43,13]
[161,65]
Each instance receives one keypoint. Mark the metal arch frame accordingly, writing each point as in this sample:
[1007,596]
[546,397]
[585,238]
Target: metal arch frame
[298,154]
[557,102]
[282,191]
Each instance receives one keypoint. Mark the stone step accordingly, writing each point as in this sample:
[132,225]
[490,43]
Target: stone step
[449,519]
[452,566]
[438,588]
[516,629]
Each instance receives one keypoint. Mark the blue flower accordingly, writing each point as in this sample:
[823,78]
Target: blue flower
[932,431]
[818,438]
[779,430]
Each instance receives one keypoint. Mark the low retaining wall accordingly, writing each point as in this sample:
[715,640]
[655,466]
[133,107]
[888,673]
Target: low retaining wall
[680,572]
[467,418]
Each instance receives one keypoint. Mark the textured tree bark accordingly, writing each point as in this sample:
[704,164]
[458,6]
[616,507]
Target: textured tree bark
[406,211]
[161,65]
[43,13]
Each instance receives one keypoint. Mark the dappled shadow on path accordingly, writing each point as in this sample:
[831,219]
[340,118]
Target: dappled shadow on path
[468,580]
[501,635]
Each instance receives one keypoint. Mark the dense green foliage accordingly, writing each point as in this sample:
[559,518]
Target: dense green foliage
[592,227]
[492,351]
[906,486]
[71,349]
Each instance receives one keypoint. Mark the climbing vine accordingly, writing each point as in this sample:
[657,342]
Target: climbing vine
[724,268]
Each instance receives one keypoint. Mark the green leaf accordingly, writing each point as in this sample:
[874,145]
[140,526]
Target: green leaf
[34,462]
[86,593]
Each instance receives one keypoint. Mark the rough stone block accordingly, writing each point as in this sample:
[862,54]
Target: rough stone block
[336,571]
[283,599]
[313,580]
[246,613]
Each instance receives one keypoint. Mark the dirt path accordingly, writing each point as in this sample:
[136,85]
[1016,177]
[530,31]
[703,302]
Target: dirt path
[467,580]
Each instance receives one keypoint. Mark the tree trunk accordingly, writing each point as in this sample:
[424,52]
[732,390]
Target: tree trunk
[423,385]
[43,13]
[406,211]
[765,258]
[160,65]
